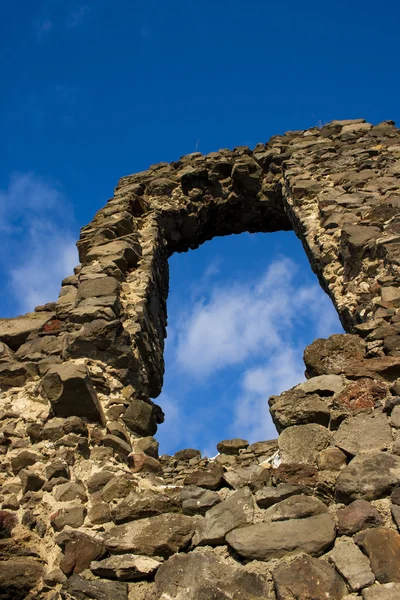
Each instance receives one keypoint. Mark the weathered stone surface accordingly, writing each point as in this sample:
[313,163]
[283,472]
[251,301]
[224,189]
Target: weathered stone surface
[332,356]
[146,504]
[301,443]
[127,567]
[142,463]
[234,512]
[387,591]
[80,550]
[99,589]
[140,418]
[296,407]
[352,564]
[198,576]
[101,286]
[306,577]
[147,445]
[18,577]
[69,491]
[383,549]
[368,476]
[295,507]
[268,496]
[364,393]
[156,536]
[70,392]
[232,446]
[331,459]
[254,476]
[364,433]
[265,541]
[15,331]
[323,385]
[358,515]
[23,459]
[196,500]
[209,477]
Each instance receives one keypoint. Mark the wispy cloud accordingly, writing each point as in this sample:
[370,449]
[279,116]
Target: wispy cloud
[38,237]
[42,27]
[280,372]
[77,17]
[240,320]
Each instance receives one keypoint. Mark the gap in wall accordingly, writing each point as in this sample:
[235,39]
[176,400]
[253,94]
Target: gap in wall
[241,310]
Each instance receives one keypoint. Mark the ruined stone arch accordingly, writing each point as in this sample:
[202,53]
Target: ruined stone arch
[93,360]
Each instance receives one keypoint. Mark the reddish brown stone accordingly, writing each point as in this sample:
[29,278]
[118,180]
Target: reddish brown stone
[142,463]
[52,325]
[383,549]
[358,515]
[302,475]
[362,393]
[79,551]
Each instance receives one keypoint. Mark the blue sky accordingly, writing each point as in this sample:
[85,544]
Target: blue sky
[93,91]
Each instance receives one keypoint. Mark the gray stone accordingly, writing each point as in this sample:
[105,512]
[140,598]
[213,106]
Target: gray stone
[18,576]
[101,286]
[197,501]
[127,567]
[117,487]
[147,445]
[100,512]
[15,331]
[323,385]
[162,535]
[295,507]
[295,407]
[232,446]
[209,477]
[352,564]
[204,576]
[234,512]
[306,578]
[24,459]
[98,480]
[387,591]
[268,540]
[69,389]
[140,418]
[368,477]
[69,491]
[302,443]
[364,433]
[99,589]
[254,476]
[395,417]
[145,504]
[268,496]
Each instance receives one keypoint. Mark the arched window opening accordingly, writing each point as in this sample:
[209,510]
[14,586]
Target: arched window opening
[241,310]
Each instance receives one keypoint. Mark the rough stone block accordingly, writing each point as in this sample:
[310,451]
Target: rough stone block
[69,389]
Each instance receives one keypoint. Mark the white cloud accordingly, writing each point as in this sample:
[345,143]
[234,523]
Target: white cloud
[38,248]
[246,319]
[282,371]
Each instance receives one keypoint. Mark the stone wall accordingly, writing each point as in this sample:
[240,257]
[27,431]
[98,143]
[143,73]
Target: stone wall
[89,509]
